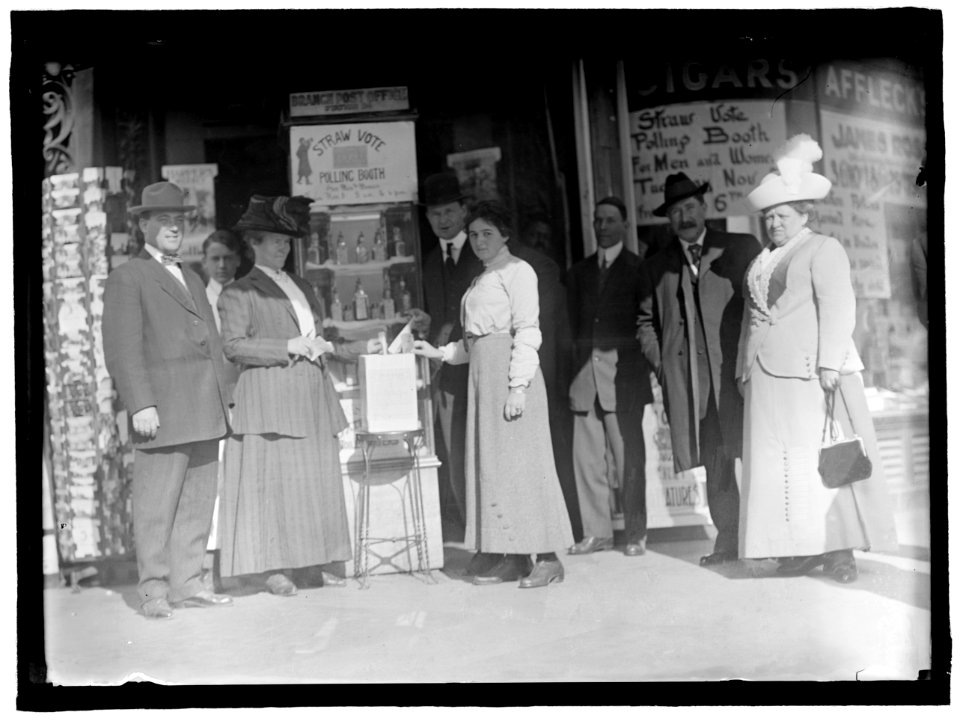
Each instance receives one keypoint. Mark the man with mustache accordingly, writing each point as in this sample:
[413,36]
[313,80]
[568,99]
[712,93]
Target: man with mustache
[689,328]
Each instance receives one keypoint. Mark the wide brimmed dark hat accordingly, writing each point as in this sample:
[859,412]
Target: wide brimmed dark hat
[277,214]
[678,187]
[441,188]
[161,196]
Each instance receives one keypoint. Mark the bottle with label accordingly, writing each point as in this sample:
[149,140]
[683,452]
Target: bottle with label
[342,255]
[399,247]
[313,251]
[386,303]
[379,245]
[361,303]
[405,303]
[363,252]
[336,307]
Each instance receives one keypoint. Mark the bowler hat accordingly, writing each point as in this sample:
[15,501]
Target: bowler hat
[441,188]
[679,187]
[277,214]
[161,196]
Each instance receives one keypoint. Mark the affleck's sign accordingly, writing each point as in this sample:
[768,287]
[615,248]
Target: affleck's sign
[343,102]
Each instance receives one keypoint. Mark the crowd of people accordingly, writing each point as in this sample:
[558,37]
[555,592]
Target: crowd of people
[542,378]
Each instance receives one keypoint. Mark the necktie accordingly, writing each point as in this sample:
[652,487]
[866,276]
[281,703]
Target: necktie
[695,251]
[170,258]
[604,268]
[449,262]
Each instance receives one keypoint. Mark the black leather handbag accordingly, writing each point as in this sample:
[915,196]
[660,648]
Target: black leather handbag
[842,461]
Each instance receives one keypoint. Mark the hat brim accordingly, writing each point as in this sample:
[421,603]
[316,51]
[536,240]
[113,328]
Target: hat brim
[137,209]
[773,191]
[443,200]
[661,211]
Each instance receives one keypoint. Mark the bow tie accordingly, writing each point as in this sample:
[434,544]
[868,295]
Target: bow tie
[170,258]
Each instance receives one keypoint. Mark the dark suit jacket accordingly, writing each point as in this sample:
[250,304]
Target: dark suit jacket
[162,349]
[258,319]
[664,324]
[442,294]
[606,320]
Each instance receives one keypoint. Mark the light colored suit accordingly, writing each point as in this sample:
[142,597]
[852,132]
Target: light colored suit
[162,349]
[812,317]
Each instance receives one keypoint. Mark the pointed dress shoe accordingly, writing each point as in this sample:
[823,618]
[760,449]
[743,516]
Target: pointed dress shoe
[156,608]
[205,599]
[543,574]
[510,568]
[333,580]
[799,565]
[590,544]
[280,585]
[636,548]
[717,557]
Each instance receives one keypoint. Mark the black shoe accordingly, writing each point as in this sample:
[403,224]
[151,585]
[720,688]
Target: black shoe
[841,565]
[800,565]
[543,574]
[482,562]
[718,557]
[511,567]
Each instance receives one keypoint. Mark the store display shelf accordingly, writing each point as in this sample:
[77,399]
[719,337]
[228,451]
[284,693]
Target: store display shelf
[356,269]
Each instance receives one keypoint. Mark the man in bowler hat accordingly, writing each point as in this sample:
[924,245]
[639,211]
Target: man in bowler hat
[689,328]
[163,351]
[448,271]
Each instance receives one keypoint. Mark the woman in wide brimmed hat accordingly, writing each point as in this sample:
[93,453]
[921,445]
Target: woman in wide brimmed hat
[282,507]
[796,351]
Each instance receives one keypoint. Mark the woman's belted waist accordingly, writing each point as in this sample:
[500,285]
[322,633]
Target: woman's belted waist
[470,338]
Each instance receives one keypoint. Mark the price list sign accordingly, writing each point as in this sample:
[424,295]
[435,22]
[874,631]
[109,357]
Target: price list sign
[873,167]
[729,143]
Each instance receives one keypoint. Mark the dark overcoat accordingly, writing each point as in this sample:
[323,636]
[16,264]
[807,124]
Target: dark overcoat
[665,329]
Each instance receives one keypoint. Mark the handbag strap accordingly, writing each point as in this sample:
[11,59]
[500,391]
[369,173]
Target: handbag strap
[828,418]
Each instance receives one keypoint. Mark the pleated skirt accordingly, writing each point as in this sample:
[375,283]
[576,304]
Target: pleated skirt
[282,504]
[514,500]
[785,510]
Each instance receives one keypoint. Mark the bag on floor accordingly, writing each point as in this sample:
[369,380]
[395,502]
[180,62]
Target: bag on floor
[842,461]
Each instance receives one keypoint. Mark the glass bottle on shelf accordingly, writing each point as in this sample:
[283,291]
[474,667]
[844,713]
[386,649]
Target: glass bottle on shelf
[342,256]
[313,252]
[399,247]
[405,302]
[336,307]
[386,303]
[317,292]
[361,303]
[363,252]
[379,245]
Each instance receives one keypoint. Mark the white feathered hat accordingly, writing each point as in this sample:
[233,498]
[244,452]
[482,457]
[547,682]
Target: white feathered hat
[795,179]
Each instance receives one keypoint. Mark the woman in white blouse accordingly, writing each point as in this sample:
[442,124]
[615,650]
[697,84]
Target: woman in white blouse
[515,506]
[796,353]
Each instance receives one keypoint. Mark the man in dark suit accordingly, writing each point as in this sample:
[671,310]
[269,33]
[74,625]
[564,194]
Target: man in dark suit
[611,386]
[689,328]
[163,351]
[448,271]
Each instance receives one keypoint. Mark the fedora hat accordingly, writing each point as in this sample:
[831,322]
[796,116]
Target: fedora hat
[277,214]
[441,188]
[678,187]
[794,179]
[161,196]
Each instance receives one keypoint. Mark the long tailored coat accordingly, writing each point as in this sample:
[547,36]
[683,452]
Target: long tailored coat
[162,348]
[666,331]
[812,314]
[605,320]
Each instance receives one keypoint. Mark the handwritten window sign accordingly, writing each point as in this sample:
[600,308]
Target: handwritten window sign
[354,162]
[342,102]
[728,143]
[870,163]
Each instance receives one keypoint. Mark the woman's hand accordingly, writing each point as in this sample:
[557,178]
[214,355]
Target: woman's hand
[829,379]
[319,346]
[740,385]
[374,345]
[516,401]
[300,346]
[422,347]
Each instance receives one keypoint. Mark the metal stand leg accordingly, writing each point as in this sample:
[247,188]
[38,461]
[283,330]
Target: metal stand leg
[416,508]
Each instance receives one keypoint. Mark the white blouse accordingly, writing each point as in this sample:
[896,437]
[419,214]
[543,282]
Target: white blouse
[503,299]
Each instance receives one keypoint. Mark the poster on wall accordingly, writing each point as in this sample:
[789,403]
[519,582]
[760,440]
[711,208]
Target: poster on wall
[197,182]
[477,172]
[729,143]
[353,163]
[873,165]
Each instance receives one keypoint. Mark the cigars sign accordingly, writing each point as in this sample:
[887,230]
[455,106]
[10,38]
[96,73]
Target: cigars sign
[354,162]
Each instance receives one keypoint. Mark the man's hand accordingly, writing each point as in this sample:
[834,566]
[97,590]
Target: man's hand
[146,422]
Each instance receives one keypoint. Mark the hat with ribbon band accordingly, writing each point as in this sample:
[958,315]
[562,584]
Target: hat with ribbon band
[678,187]
[794,179]
[277,214]
[161,196]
